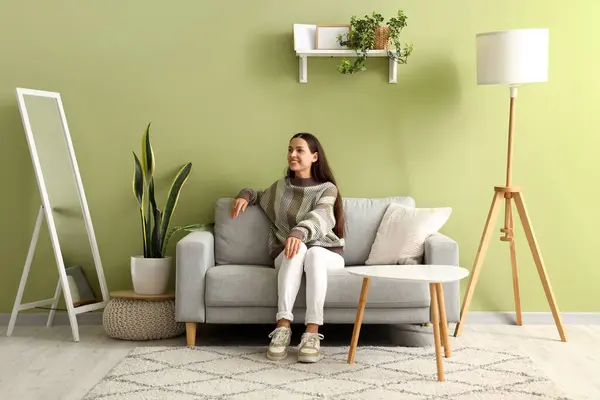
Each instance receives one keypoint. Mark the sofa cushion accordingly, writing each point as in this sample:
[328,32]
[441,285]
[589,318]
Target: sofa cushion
[241,240]
[402,233]
[363,216]
[256,286]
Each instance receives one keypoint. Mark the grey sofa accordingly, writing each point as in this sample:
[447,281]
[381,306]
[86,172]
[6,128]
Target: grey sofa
[226,276]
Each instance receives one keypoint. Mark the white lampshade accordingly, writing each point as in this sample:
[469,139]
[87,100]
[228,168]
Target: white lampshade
[512,57]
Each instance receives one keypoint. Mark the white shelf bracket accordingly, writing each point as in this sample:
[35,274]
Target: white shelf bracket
[393,67]
[305,54]
[302,69]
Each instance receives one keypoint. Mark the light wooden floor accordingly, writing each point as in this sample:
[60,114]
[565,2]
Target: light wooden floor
[44,363]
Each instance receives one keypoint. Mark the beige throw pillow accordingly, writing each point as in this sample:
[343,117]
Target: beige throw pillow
[402,232]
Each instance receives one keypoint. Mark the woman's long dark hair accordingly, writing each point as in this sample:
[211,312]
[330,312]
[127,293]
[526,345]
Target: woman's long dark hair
[321,172]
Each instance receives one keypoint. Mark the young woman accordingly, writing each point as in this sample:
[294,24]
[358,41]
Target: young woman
[306,236]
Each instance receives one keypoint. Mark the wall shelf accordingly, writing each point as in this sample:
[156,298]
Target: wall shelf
[305,47]
[303,56]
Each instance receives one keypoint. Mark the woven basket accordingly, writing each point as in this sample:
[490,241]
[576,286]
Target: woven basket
[128,319]
[382,38]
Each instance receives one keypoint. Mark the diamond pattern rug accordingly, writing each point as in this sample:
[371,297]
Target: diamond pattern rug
[180,373]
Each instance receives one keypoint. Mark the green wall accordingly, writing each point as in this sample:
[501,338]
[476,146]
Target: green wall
[218,80]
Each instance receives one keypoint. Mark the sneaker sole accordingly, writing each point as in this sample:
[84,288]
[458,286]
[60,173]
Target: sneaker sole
[308,359]
[274,357]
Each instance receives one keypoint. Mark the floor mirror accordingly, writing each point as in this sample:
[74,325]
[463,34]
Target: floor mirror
[63,206]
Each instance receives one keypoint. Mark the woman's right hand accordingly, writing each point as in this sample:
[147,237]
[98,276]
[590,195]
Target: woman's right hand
[238,205]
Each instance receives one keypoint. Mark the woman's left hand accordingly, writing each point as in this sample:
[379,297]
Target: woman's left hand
[292,246]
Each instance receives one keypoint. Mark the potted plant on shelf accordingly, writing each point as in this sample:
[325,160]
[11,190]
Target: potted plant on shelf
[367,34]
[150,272]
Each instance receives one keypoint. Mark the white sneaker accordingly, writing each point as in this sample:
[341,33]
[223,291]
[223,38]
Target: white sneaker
[309,348]
[280,341]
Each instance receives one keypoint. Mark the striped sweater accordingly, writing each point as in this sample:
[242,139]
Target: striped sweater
[299,207]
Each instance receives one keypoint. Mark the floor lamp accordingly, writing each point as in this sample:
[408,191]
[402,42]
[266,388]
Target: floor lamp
[511,58]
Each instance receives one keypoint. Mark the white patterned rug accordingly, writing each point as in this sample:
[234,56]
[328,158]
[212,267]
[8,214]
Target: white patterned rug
[179,373]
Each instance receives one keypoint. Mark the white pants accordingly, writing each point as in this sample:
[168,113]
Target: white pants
[315,261]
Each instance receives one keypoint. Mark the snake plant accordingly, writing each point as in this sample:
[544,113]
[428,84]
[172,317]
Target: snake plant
[155,222]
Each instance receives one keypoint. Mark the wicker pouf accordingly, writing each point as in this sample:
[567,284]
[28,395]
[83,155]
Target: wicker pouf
[130,316]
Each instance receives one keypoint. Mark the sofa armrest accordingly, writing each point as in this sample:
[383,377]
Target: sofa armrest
[442,250]
[195,255]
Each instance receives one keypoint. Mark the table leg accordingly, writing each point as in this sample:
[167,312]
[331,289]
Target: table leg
[362,301]
[443,320]
[436,331]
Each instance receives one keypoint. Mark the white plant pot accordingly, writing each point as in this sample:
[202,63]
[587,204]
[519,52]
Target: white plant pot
[150,275]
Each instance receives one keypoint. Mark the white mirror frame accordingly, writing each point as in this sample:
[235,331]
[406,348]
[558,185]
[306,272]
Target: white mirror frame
[45,210]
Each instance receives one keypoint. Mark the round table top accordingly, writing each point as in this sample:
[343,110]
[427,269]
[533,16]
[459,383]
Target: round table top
[131,295]
[412,273]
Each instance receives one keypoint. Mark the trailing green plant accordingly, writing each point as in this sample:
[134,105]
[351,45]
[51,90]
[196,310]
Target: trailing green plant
[396,25]
[155,222]
[362,38]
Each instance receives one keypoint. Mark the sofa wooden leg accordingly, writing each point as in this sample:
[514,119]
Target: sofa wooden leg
[190,331]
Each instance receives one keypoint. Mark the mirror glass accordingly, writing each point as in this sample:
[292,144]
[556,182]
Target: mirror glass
[50,142]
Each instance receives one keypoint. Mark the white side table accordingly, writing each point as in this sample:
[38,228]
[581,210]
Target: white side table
[435,275]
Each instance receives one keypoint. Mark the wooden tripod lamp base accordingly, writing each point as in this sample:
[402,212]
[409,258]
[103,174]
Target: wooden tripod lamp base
[513,58]
[508,194]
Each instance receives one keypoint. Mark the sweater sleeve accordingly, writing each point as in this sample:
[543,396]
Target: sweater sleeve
[252,196]
[320,221]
